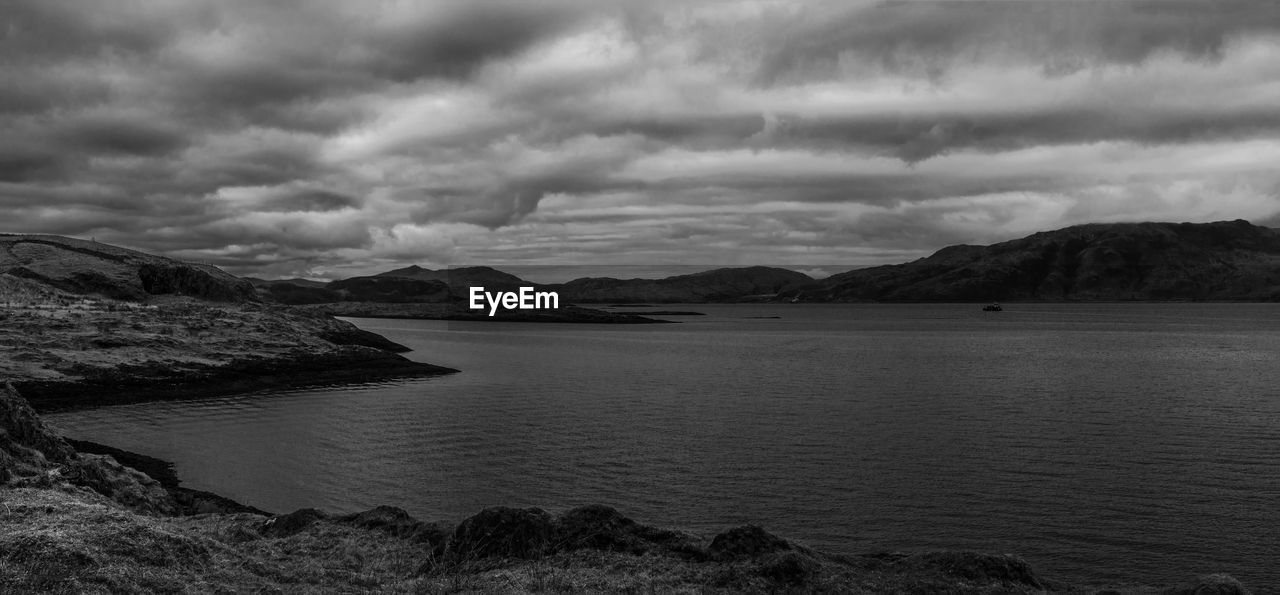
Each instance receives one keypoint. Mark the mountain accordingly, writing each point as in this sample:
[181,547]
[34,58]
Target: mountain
[1227,260]
[719,285]
[487,277]
[90,268]
[391,290]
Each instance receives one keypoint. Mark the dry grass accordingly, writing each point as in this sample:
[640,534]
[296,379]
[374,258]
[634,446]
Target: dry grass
[57,541]
[54,541]
[66,541]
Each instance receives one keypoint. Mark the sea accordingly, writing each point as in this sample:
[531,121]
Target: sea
[1103,443]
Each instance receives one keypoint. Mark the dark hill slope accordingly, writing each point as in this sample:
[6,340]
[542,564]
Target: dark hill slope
[90,268]
[86,324]
[719,285]
[390,290]
[1228,260]
[487,277]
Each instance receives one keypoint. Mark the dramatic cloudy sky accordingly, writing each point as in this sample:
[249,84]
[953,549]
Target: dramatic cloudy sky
[334,137]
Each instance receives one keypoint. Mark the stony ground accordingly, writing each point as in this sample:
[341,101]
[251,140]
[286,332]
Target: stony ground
[54,344]
[53,540]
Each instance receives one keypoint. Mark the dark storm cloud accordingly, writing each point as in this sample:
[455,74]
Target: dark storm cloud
[24,164]
[309,137]
[928,36]
[48,31]
[28,90]
[283,56]
[915,138]
[467,35]
[115,134]
[310,200]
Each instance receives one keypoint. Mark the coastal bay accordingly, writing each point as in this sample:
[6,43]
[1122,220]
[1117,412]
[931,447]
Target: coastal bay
[539,418]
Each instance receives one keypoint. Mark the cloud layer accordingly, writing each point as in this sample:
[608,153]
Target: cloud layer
[331,138]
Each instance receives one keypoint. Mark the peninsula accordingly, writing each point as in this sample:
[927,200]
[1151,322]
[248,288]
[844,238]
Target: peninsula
[92,324]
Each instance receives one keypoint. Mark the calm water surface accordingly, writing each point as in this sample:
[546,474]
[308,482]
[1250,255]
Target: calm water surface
[1113,442]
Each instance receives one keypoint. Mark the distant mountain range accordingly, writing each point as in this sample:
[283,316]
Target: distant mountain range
[418,285]
[1222,261]
[720,285]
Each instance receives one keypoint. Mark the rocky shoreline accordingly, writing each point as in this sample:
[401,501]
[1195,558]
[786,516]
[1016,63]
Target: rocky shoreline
[150,381]
[85,517]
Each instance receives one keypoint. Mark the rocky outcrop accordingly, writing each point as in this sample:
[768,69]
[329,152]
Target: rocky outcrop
[747,541]
[398,523]
[163,278]
[186,500]
[1229,260]
[502,532]
[27,447]
[93,269]
[286,525]
[72,542]
[131,383]
[32,455]
[600,527]
[130,487]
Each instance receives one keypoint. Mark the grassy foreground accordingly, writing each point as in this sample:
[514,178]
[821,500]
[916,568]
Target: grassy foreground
[67,540]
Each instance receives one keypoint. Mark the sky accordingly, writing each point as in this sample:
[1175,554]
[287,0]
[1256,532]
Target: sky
[330,138]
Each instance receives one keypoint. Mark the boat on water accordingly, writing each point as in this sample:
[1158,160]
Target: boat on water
[992,308]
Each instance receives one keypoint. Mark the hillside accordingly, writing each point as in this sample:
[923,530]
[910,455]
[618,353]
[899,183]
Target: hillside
[392,290]
[417,285]
[462,277]
[93,269]
[718,285]
[1223,261]
[87,324]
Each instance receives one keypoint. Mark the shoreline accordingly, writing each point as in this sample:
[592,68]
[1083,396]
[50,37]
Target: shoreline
[151,382]
[486,549]
[797,566]
[191,501]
